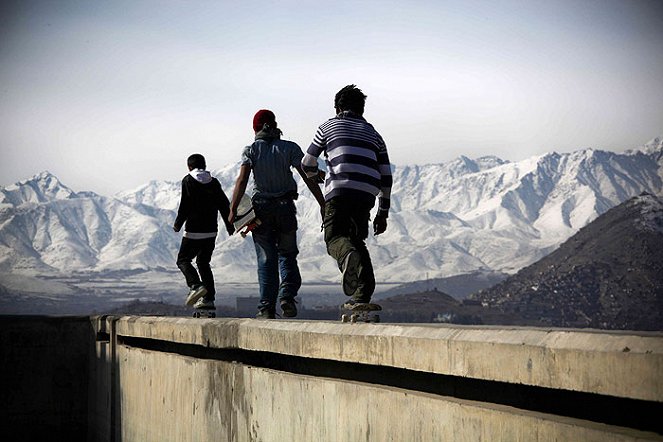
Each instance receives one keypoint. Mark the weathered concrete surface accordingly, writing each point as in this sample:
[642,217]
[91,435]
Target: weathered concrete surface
[620,364]
[102,385]
[43,377]
[165,396]
[65,380]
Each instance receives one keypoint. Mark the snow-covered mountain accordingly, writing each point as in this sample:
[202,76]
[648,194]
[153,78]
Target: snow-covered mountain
[451,218]
[45,227]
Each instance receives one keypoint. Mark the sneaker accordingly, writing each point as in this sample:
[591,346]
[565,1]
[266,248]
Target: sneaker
[289,307]
[351,272]
[204,304]
[196,292]
[354,304]
[266,314]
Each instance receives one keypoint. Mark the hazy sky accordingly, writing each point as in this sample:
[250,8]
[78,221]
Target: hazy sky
[108,95]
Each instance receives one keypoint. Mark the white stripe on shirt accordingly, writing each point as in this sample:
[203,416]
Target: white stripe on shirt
[355,168]
[196,235]
[349,184]
[351,150]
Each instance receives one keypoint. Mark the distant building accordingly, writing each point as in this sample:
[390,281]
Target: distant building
[444,317]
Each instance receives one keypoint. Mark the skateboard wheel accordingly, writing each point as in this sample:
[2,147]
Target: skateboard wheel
[376,318]
[344,318]
[353,319]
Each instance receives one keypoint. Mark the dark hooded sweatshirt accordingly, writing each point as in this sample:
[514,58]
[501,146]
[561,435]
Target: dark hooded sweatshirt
[202,200]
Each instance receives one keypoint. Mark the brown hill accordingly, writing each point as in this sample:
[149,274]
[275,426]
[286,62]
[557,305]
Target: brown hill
[609,275]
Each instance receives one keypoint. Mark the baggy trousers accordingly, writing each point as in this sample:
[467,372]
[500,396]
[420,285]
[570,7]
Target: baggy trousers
[346,229]
[201,250]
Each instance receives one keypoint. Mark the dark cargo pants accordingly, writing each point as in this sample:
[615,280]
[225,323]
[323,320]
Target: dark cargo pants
[346,228]
[201,250]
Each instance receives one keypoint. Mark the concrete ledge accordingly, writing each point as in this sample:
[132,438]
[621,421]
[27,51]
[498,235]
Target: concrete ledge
[166,396]
[130,378]
[619,364]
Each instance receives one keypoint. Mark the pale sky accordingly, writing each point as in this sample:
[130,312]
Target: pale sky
[108,95]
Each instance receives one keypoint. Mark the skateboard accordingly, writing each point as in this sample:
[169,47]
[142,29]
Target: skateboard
[246,220]
[365,312]
[204,313]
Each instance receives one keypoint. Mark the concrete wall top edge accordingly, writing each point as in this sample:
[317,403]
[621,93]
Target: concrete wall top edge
[620,364]
[190,331]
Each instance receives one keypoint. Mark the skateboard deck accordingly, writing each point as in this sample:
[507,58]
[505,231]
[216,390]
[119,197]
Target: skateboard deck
[246,220]
[204,313]
[365,312]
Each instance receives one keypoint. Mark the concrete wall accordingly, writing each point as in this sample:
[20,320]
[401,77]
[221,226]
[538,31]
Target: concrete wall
[169,397]
[181,379]
[163,379]
[620,364]
[103,397]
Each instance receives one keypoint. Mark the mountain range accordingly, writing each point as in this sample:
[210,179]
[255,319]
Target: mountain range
[466,215]
[608,275]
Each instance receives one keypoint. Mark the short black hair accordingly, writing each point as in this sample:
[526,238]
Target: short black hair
[196,161]
[350,98]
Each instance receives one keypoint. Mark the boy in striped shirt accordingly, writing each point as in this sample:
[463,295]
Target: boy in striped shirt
[358,171]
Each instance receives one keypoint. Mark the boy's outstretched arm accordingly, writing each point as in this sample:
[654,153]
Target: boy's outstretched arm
[384,197]
[182,211]
[238,191]
[314,188]
[224,209]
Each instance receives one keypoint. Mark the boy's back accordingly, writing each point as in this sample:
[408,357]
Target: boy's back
[201,201]
[271,160]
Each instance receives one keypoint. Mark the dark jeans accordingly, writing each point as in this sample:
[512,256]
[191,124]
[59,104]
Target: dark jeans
[275,240]
[346,228]
[201,249]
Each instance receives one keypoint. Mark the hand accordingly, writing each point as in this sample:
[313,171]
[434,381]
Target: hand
[319,178]
[379,225]
[322,215]
[176,229]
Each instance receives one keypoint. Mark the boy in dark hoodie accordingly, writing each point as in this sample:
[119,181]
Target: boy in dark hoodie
[202,199]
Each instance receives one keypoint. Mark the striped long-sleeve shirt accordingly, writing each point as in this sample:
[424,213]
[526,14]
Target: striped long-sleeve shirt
[356,156]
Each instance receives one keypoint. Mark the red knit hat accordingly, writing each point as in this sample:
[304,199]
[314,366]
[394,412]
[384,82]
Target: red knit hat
[262,117]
